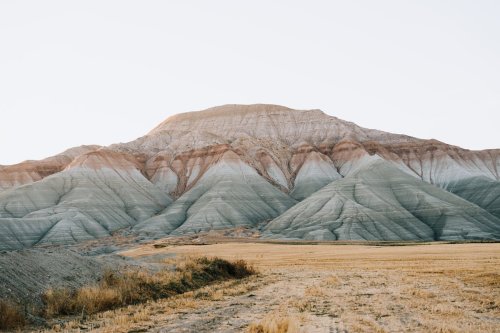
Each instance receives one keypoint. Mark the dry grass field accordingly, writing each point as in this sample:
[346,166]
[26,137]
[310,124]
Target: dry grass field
[327,288]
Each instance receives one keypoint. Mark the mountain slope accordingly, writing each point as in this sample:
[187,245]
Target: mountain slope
[380,202]
[99,193]
[481,190]
[316,171]
[32,171]
[230,194]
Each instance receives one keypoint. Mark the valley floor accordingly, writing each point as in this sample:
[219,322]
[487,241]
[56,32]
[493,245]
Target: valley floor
[328,288]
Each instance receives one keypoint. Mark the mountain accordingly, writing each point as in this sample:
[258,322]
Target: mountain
[290,173]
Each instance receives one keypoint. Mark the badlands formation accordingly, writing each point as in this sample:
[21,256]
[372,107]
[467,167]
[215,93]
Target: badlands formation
[288,174]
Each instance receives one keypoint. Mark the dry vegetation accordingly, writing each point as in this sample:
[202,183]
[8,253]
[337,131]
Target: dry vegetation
[117,290]
[145,316]
[275,323]
[11,316]
[356,288]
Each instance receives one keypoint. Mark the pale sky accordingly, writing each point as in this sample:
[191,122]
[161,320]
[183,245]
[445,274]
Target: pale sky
[102,72]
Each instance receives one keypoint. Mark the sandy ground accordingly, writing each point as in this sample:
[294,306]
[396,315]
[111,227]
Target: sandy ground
[329,288]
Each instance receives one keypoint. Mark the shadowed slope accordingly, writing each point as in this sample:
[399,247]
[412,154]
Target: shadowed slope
[380,202]
[482,191]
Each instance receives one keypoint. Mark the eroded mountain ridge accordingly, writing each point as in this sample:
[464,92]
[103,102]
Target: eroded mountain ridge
[291,173]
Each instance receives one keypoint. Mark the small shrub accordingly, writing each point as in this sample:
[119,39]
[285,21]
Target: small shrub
[242,269]
[11,316]
[314,291]
[95,299]
[56,301]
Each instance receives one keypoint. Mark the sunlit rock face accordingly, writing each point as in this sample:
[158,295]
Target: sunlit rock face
[31,171]
[264,166]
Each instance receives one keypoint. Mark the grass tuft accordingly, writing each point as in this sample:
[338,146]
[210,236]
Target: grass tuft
[11,316]
[274,323]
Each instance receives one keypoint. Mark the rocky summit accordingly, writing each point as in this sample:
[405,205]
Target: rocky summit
[288,174]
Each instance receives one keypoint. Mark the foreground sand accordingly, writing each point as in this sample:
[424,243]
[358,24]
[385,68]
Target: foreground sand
[331,288]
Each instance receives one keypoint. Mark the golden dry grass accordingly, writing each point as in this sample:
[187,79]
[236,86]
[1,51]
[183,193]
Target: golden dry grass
[275,323]
[363,288]
[156,313]
[328,288]
[267,255]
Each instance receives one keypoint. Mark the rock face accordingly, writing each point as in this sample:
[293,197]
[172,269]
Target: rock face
[246,165]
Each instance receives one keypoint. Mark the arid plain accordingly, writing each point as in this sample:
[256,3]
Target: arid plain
[432,287]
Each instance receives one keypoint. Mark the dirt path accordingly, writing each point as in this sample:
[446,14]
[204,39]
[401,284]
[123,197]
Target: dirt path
[275,295]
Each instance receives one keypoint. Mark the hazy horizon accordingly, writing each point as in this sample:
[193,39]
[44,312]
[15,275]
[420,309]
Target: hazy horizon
[103,72]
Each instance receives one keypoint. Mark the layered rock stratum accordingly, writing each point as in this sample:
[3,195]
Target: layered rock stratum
[291,174]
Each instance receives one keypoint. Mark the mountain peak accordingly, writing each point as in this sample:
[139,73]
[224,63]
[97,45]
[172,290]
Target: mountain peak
[228,111]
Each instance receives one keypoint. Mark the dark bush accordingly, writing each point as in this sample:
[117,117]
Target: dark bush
[11,316]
